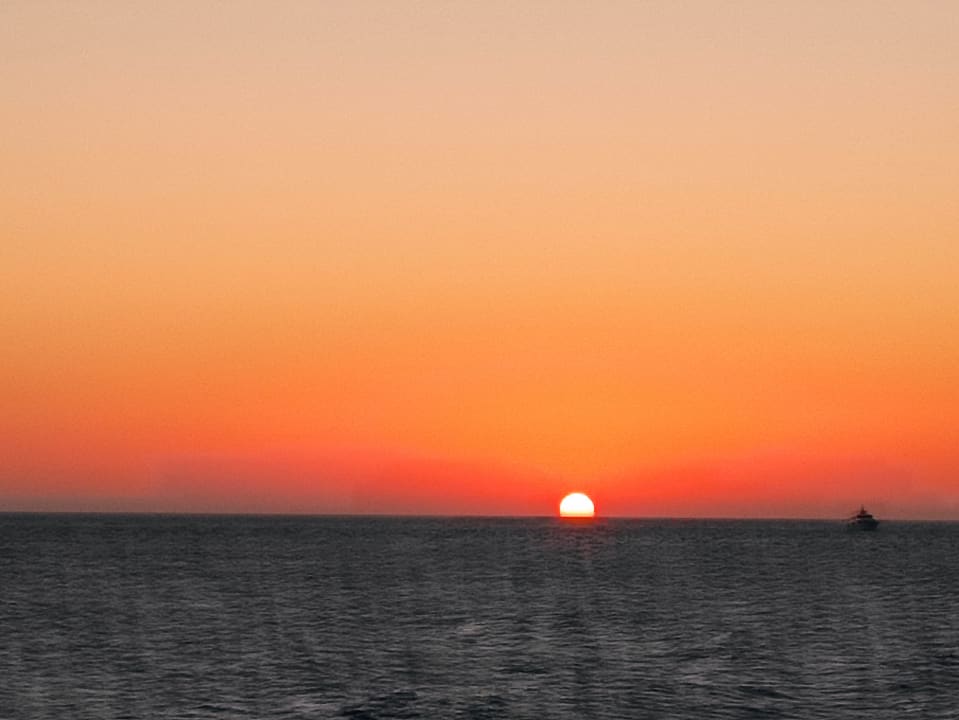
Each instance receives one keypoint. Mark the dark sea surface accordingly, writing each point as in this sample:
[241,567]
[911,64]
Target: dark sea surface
[109,616]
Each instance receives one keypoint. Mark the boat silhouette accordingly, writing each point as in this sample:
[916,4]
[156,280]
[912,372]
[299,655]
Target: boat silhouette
[862,520]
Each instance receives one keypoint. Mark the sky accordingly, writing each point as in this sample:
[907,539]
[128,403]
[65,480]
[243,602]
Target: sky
[692,258]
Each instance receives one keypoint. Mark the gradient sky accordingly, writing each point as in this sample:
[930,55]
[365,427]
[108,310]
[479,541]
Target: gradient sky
[696,259]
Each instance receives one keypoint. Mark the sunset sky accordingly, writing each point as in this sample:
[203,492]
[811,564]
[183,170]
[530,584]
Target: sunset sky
[692,258]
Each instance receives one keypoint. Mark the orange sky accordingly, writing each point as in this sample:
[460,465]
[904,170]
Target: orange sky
[693,259]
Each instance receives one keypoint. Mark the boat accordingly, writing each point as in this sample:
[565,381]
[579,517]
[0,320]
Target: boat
[862,520]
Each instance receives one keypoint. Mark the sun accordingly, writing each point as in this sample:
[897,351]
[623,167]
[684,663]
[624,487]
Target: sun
[576,505]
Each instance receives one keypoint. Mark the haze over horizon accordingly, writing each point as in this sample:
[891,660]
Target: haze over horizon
[453,258]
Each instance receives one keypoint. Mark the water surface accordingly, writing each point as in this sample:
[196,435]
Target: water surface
[109,616]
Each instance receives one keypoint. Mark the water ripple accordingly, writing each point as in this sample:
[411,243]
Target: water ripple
[218,617]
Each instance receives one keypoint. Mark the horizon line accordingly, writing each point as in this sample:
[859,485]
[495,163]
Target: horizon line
[452,516]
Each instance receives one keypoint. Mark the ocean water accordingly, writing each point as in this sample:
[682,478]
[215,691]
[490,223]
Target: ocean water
[317,617]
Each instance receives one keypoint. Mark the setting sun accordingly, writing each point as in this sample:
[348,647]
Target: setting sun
[576,505]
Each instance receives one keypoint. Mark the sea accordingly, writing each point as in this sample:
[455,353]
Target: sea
[151,616]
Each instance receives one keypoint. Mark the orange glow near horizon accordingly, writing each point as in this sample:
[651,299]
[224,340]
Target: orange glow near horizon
[361,257]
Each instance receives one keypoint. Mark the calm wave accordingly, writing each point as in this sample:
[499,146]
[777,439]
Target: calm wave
[241,617]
